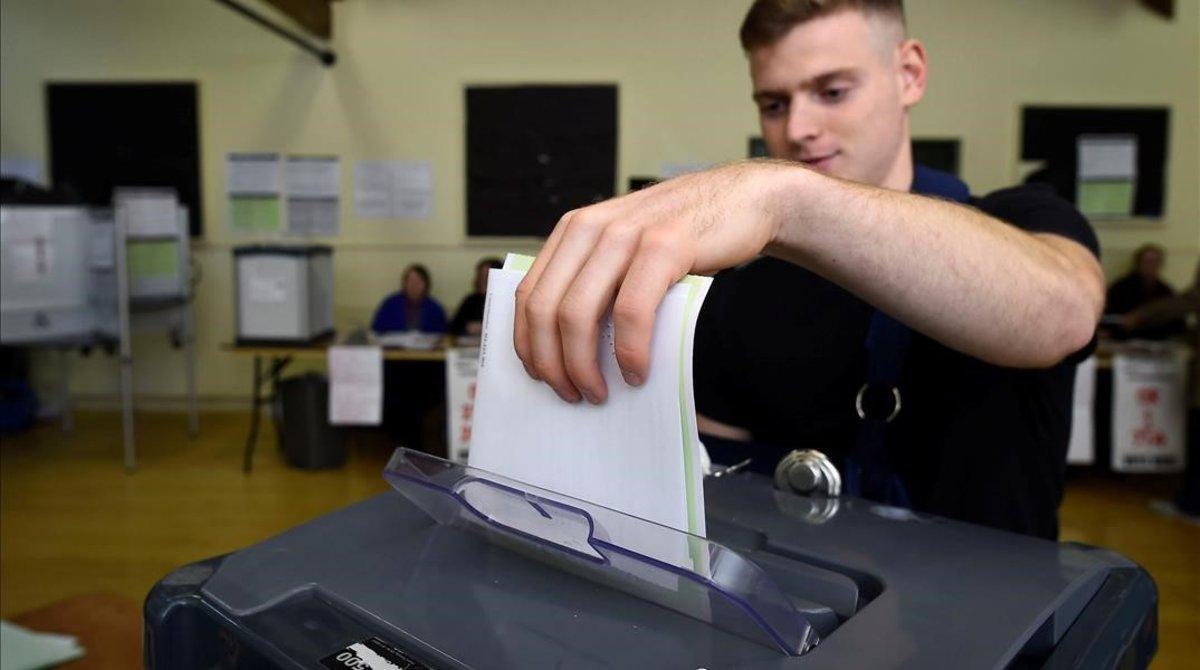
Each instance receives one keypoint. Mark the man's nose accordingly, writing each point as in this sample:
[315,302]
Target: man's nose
[803,122]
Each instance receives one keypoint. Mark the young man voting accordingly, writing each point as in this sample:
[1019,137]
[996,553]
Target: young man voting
[922,337]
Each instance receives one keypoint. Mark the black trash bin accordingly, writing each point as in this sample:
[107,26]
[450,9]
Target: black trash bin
[302,422]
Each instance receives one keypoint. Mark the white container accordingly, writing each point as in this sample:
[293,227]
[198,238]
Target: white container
[44,274]
[284,294]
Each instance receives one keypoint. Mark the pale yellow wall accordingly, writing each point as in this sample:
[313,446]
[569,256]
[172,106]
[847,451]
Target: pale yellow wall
[397,92]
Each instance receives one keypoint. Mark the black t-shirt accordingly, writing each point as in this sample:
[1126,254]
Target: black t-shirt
[470,310]
[780,351]
[1129,293]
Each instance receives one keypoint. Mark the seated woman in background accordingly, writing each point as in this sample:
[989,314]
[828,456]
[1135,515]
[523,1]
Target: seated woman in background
[1142,284]
[411,308]
[468,320]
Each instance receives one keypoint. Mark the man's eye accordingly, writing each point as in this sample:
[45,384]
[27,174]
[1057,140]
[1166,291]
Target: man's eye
[835,94]
[773,108]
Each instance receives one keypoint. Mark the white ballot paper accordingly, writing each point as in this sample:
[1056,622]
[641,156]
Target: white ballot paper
[638,453]
[355,385]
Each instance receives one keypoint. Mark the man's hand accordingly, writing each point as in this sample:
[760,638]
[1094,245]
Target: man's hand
[634,248]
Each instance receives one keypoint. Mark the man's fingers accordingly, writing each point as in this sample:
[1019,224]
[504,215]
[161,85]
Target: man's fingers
[585,303]
[662,259]
[542,306]
[520,324]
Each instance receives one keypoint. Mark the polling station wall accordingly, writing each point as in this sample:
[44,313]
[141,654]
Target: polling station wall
[397,92]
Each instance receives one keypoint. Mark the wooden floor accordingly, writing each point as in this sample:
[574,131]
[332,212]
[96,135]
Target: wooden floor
[73,522]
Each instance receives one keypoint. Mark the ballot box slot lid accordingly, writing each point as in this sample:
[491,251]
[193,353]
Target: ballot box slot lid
[664,566]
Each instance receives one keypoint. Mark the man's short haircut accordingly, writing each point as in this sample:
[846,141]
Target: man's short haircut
[769,20]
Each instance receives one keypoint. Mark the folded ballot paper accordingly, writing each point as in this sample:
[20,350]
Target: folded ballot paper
[638,453]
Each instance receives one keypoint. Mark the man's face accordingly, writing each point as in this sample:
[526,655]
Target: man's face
[833,93]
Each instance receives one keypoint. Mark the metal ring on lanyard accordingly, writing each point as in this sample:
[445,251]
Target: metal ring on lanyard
[862,414]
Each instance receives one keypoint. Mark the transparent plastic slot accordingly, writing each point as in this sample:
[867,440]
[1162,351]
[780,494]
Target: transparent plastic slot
[682,572]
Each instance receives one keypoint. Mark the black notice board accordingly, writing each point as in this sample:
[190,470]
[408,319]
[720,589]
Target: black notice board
[1051,134]
[535,152]
[104,135]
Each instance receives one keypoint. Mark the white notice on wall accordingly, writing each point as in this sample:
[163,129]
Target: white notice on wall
[355,385]
[252,174]
[314,186]
[1107,157]
[393,189]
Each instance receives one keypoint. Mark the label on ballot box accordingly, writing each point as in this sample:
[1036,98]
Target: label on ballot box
[371,654]
[1149,404]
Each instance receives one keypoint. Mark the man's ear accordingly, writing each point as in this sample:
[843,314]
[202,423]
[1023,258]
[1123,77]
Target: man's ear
[912,69]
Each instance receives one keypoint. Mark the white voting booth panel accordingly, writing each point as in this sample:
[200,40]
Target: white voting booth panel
[462,368]
[1149,408]
[283,293]
[1081,450]
[43,273]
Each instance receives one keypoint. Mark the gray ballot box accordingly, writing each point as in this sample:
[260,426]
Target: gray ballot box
[283,293]
[460,568]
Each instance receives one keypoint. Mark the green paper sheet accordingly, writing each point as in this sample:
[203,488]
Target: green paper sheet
[1105,198]
[254,215]
[153,259]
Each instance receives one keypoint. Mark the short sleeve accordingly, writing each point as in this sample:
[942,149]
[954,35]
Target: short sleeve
[1036,208]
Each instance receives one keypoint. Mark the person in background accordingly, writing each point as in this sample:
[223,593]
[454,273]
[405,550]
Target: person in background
[1173,309]
[468,320]
[411,308]
[1139,286]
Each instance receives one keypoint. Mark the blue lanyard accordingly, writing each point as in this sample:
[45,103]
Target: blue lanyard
[867,472]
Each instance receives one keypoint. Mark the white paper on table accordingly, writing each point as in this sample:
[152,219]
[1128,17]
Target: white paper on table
[637,453]
[252,174]
[393,189]
[1081,448]
[1107,157]
[355,385]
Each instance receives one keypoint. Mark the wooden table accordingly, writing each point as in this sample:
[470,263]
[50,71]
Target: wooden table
[279,357]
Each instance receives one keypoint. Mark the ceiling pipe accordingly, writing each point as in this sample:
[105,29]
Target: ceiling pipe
[326,56]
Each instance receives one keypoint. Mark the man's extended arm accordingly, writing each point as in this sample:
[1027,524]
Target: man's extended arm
[970,281]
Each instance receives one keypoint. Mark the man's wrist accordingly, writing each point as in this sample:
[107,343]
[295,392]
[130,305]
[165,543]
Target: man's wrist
[788,192]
